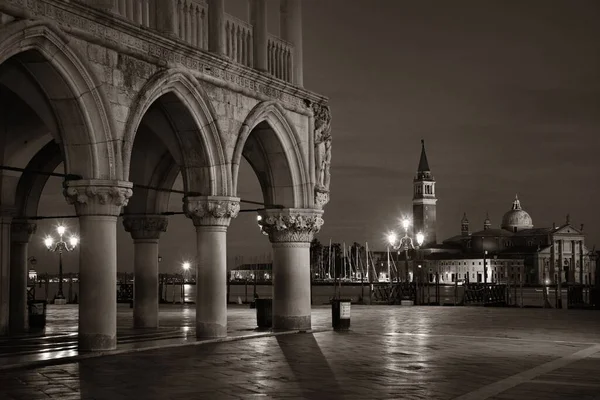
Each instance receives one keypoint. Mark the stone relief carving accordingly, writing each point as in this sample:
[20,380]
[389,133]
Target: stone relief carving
[98,197]
[291,225]
[211,210]
[146,226]
[322,153]
[105,29]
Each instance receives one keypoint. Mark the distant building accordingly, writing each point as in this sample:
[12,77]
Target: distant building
[248,272]
[514,251]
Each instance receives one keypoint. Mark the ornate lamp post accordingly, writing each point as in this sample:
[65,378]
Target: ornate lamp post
[405,243]
[59,247]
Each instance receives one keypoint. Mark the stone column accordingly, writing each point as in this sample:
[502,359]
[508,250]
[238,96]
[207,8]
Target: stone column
[145,231]
[291,31]
[166,17]
[291,231]
[258,19]
[5,221]
[98,203]
[216,26]
[20,234]
[211,216]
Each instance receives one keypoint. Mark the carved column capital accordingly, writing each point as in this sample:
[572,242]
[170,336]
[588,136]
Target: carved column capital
[290,225]
[21,231]
[211,210]
[98,197]
[145,226]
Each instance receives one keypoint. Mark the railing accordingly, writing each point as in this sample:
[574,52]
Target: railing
[279,58]
[191,21]
[238,40]
[141,12]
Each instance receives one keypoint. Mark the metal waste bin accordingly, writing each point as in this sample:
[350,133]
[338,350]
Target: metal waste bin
[264,313]
[340,314]
[37,314]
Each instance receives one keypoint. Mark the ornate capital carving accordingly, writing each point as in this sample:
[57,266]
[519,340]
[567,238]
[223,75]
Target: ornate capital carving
[21,231]
[98,197]
[145,226]
[290,225]
[322,139]
[211,210]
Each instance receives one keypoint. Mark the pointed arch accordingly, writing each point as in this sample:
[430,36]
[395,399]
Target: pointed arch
[295,178]
[84,121]
[187,90]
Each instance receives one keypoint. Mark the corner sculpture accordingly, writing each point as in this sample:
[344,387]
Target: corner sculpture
[322,153]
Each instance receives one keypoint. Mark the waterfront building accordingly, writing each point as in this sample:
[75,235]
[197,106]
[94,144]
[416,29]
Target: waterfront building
[515,251]
[128,95]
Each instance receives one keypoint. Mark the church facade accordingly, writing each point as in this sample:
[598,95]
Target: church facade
[517,251]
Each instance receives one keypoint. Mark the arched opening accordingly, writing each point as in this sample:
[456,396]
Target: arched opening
[172,147]
[52,116]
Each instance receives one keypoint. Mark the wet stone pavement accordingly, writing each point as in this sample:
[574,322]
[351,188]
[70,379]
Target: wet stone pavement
[390,353]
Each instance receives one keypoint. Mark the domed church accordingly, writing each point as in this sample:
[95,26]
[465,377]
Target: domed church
[538,254]
[547,254]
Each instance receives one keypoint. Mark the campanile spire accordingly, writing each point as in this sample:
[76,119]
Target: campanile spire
[424,200]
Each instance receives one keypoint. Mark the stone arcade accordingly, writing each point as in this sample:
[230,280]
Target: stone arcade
[130,93]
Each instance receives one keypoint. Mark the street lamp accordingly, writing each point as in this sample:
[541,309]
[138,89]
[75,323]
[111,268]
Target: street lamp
[59,247]
[406,242]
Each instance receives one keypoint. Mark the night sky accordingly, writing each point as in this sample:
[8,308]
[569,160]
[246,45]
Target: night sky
[506,95]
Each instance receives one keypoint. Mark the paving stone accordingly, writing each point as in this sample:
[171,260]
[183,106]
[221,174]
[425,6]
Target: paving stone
[390,353]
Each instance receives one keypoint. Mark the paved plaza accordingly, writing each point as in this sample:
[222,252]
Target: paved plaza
[391,352]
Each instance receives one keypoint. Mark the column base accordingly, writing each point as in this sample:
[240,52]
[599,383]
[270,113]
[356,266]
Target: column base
[286,323]
[144,323]
[210,331]
[96,342]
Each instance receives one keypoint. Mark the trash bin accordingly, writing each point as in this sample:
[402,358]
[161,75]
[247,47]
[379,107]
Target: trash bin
[340,314]
[264,313]
[37,314]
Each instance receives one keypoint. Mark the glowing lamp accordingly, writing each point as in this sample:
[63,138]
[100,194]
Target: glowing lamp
[391,238]
[405,223]
[420,238]
[49,242]
[61,230]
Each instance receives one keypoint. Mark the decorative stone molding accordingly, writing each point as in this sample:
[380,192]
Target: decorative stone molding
[290,225]
[90,24]
[21,231]
[322,136]
[98,197]
[211,210]
[145,226]
[321,198]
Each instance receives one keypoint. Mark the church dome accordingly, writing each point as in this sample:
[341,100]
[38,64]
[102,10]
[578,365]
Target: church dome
[516,219]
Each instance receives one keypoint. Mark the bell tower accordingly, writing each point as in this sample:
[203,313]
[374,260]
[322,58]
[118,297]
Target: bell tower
[424,209]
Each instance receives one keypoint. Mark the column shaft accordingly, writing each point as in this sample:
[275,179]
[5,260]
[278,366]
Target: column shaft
[291,286]
[258,16]
[216,26]
[211,282]
[4,273]
[166,17]
[145,304]
[290,231]
[211,216]
[291,31]
[18,287]
[98,283]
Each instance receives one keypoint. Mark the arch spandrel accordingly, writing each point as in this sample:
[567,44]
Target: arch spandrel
[84,122]
[203,160]
[278,155]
